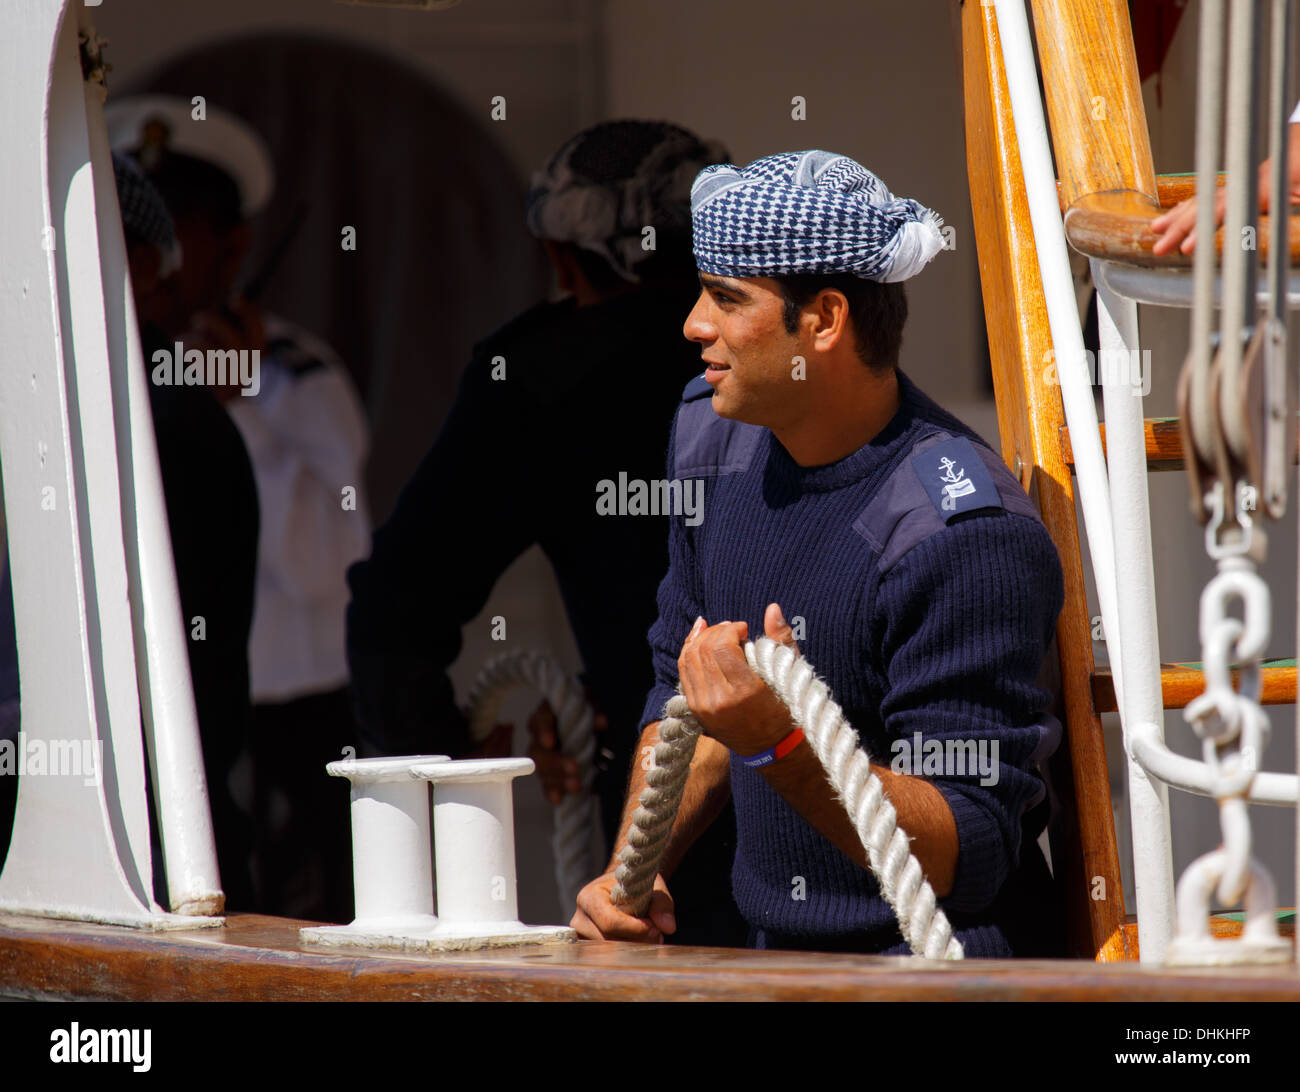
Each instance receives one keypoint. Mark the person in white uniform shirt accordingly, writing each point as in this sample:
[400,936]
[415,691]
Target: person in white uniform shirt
[307,434]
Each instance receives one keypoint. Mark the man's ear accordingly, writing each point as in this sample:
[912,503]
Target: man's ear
[831,324]
[564,263]
[144,263]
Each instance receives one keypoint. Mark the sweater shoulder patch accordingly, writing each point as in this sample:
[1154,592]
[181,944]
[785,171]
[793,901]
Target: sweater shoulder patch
[955,478]
[708,445]
[943,477]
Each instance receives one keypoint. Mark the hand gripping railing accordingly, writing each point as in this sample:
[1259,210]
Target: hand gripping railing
[848,768]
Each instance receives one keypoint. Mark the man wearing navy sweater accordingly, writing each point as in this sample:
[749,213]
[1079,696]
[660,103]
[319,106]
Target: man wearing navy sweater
[845,508]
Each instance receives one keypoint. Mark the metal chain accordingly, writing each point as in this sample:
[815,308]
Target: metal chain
[1237,419]
[1234,731]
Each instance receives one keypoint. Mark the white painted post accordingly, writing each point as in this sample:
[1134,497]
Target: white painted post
[1062,314]
[474,844]
[392,871]
[392,868]
[474,841]
[1141,703]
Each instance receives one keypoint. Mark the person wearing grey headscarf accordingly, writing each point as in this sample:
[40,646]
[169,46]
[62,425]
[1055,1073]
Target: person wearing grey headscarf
[610,183]
[567,395]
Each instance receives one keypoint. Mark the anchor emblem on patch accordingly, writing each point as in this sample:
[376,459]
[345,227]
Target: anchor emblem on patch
[955,477]
[958,484]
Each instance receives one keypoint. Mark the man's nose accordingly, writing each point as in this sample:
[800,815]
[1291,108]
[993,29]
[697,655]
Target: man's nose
[697,326]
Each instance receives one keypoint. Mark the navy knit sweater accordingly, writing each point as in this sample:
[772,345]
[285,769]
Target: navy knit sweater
[919,620]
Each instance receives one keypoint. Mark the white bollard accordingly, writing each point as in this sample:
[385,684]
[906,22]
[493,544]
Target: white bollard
[474,844]
[392,869]
[474,836]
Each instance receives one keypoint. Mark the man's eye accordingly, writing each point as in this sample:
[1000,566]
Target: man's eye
[720,297]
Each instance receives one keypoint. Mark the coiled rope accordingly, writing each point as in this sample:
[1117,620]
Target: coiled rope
[575,816]
[848,768]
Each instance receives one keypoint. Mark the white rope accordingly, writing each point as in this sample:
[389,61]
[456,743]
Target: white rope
[647,838]
[848,768]
[576,815]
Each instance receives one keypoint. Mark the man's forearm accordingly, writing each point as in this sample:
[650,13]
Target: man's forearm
[707,789]
[921,809]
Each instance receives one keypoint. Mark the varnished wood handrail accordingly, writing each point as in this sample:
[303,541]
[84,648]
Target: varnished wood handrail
[261,959]
[1117,227]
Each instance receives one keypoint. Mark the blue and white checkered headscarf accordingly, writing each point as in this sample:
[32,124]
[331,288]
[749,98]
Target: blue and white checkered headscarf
[808,212]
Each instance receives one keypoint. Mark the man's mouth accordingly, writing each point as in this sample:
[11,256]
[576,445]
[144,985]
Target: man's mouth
[714,371]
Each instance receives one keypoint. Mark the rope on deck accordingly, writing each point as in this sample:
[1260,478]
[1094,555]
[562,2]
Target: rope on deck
[848,768]
[575,815]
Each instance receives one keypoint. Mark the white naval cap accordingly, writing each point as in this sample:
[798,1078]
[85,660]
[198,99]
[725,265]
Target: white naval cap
[217,136]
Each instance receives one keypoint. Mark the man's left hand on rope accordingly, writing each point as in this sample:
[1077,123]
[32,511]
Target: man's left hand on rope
[733,704]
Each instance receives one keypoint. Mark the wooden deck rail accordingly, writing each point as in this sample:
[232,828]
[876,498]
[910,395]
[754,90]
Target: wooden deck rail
[259,959]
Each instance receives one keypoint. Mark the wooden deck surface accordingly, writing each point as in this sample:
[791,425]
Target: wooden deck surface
[257,958]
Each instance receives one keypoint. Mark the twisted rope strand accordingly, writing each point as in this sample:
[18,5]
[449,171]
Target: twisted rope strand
[848,769]
[575,815]
[647,838]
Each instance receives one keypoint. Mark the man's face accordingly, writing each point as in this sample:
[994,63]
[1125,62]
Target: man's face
[211,262]
[738,322]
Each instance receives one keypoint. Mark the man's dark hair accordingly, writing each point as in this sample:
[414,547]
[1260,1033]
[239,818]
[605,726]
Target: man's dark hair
[195,187]
[599,273]
[878,311]
[669,267]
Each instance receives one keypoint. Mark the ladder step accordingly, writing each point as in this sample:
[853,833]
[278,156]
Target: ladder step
[1181,682]
[1221,926]
[1164,444]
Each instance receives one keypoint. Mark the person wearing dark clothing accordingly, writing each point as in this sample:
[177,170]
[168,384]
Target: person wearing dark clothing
[521,460]
[925,631]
